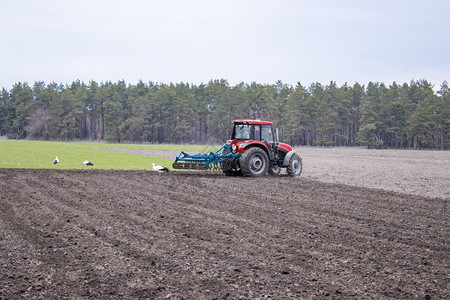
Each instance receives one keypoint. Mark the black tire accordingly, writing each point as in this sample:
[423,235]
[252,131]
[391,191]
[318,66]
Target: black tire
[254,162]
[231,167]
[294,168]
[274,170]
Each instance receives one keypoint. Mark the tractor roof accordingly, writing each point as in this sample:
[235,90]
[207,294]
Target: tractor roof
[258,122]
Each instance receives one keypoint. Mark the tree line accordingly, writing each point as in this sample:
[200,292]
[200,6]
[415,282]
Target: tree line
[377,116]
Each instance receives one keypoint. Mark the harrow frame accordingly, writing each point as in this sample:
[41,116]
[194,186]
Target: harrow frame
[208,161]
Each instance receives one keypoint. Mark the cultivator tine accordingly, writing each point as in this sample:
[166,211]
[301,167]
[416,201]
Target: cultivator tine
[189,166]
[197,166]
[215,166]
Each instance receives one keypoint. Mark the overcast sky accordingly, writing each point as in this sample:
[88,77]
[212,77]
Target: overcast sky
[194,41]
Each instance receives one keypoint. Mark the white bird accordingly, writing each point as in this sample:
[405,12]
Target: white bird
[159,169]
[56,161]
[87,163]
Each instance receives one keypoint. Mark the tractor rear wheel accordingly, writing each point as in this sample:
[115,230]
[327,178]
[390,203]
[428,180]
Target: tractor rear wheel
[254,162]
[294,168]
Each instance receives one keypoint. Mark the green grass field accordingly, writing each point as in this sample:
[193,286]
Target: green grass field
[40,155]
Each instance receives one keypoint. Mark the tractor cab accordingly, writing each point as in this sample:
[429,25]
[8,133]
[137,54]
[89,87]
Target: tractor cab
[246,132]
[253,130]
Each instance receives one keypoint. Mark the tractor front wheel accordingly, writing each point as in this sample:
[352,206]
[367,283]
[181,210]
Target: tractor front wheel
[274,170]
[294,168]
[254,162]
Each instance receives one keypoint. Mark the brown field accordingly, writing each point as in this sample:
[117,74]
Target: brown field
[357,224]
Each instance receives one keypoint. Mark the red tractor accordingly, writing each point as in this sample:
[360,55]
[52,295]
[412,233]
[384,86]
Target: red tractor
[260,151]
[253,151]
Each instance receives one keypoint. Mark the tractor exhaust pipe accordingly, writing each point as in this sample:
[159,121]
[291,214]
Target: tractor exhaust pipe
[276,141]
[276,136]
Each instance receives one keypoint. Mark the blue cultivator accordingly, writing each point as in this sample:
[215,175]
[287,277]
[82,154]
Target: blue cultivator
[209,161]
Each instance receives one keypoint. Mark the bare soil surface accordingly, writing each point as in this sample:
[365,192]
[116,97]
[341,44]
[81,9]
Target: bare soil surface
[425,173]
[105,234]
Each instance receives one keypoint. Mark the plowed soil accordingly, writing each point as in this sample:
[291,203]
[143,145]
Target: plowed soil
[105,234]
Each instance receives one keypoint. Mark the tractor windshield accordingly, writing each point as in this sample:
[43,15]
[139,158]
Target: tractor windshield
[242,131]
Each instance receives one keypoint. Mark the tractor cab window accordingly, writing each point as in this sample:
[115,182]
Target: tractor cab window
[266,133]
[257,132]
[241,132]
